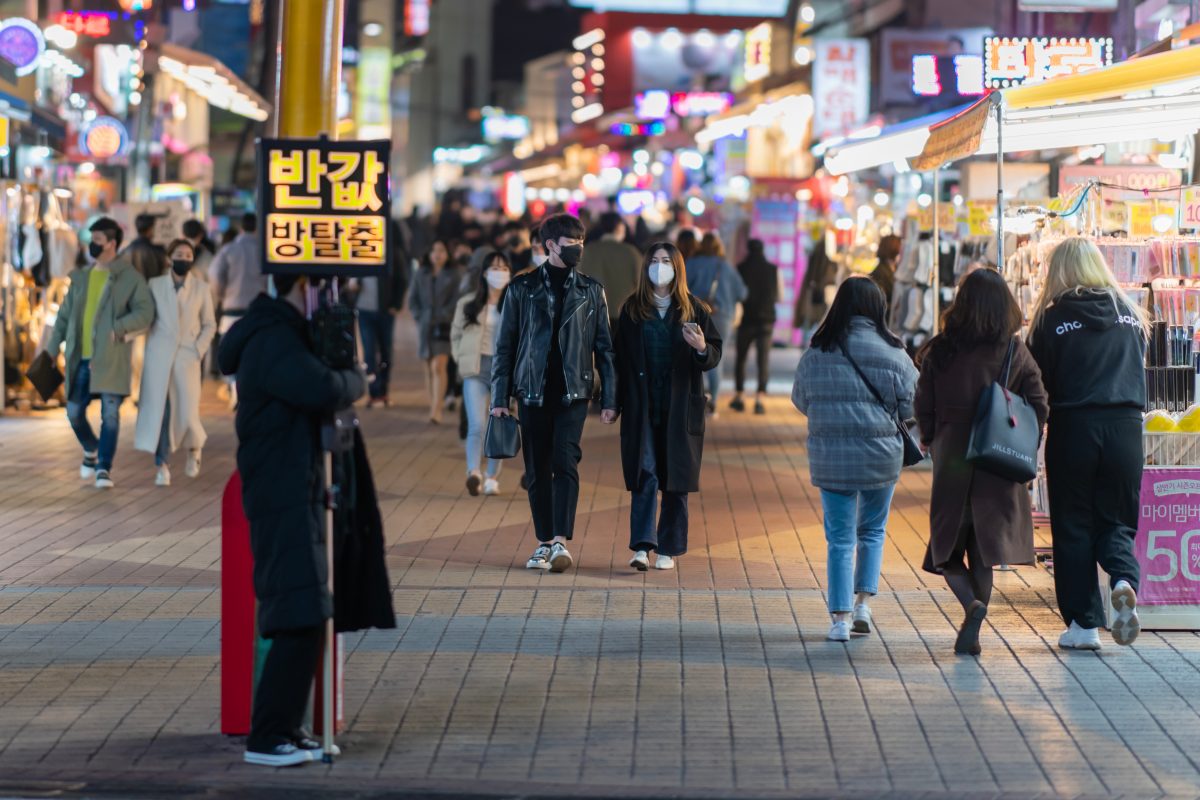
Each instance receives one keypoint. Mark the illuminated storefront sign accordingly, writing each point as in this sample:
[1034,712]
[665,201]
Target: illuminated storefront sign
[416,17]
[736,8]
[93,24]
[103,138]
[1012,62]
[758,53]
[21,44]
[639,128]
[928,71]
[498,126]
[654,104]
[701,104]
[841,85]
[461,155]
[325,205]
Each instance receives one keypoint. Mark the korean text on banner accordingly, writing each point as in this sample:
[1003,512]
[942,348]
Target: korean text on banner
[325,205]
[1168,538]
[841,85]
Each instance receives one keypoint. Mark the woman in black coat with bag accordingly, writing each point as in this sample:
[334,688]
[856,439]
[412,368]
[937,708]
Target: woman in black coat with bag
[665,342]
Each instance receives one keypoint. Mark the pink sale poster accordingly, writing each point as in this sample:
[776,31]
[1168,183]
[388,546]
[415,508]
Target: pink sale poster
[1168,537]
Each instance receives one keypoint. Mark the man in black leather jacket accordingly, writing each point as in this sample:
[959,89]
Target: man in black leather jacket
[553,327]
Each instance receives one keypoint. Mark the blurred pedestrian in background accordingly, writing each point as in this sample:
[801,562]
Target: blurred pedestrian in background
[714,280]
[184,324]
[763,290]
[613,263]
[884,273]
[202,246]
[147,258]
[236,278]
[435,295]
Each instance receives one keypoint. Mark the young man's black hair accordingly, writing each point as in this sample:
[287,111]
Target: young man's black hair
[249,222]
[560,225]
[109,228]
[194,229]
[144,224]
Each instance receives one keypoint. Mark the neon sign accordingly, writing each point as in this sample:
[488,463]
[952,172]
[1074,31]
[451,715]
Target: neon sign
[639,128]
[103,137]
[21,44]
[1012,62]
[927,75]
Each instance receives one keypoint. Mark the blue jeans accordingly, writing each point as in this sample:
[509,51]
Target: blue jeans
[163,454]
[377,329]
[669,536]
[477,393]
[110,417]
[855,523]
[713,376]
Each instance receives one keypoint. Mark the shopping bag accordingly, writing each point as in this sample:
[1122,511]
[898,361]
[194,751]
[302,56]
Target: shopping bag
[1005,434]
[44,375]
[503,439]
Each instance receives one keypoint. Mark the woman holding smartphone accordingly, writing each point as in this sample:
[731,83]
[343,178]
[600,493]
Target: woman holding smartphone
[665,341]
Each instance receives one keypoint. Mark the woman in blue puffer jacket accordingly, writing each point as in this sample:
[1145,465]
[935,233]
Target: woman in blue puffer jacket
[854,449]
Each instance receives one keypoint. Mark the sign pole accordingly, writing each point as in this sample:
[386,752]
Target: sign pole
[309,71]
[1000,181]
[936,278]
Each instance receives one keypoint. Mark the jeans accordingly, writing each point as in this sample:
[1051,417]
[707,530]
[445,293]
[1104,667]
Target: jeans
[855,523]
[163,454]
[377,329]
[477,394]
[281,697]
[550,438]
[713,376]
[669,536]
[760,336]
[1094,476]
[110,417]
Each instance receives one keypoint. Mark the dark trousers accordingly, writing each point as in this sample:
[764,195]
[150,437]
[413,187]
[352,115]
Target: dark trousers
[669,535]
[377,329]
[759,335]
[283,688]
[1094,465]
[550,438]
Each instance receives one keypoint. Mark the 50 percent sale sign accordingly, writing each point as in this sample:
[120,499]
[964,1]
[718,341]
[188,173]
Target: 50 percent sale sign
[1168,537]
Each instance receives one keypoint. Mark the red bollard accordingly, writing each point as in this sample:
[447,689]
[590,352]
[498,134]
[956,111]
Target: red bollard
[239,634]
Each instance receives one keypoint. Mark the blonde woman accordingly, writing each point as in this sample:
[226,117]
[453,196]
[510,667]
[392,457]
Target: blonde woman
[1089,339]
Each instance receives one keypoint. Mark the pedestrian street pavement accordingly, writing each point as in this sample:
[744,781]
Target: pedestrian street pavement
[710,681]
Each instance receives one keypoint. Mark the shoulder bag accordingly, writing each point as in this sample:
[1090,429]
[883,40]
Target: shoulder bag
[1005,434]
[912,451]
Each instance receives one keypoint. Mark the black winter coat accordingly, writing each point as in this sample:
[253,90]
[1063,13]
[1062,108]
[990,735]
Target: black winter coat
[284,392]
[686,409]
[523,343]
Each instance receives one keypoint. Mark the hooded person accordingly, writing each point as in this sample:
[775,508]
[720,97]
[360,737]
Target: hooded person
[284,393]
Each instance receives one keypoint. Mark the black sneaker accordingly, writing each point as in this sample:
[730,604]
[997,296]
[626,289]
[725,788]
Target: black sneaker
[737,404]
[560,558]
[474,482]
[103,479]
[540,558]
[282,755]
[759,408]
[305,741]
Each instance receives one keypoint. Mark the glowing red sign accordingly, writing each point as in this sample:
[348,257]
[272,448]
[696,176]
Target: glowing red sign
[95,24]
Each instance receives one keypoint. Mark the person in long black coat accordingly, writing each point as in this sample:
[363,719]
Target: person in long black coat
[665,342]
[284,393]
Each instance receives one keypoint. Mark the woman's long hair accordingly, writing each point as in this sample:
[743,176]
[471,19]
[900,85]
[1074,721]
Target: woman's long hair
[427,260]
[686,243]
[858,296]
[1076,267]
[479,302]
[640,304]
[983,312]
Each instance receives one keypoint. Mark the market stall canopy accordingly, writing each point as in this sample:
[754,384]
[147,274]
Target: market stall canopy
[213,81]
[874,148]
[1157,95]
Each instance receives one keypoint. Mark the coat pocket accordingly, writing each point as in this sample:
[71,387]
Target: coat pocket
[696,412]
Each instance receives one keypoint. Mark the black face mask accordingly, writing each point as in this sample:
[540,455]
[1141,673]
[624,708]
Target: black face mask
[571,255]
[181,267]
[95,249]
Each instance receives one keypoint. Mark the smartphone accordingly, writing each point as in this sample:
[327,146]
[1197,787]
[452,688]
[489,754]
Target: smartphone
[692,326]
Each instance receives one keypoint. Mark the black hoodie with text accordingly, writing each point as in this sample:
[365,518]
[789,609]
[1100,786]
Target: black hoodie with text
[1092,353]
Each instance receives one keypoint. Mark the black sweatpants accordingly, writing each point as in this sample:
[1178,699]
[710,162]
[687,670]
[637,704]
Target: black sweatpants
[550,437]
[283,688]
[1094,465]
[759,335]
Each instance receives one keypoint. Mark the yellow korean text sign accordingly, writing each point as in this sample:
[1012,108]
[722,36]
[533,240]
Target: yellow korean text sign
[325,206]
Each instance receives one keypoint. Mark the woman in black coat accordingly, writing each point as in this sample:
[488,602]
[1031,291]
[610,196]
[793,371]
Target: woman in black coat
[665,342]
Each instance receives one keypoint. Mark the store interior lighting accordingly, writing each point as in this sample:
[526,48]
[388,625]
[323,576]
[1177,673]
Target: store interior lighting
[671,39]
[206,81]
[695,206]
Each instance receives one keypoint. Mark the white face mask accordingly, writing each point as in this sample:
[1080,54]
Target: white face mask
[539,259]
[661,274]
[498,278]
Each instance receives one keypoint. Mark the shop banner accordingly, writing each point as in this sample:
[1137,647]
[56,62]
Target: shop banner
[1191,209]
[898,47]
[325,206]
[1168,537]
[841,86]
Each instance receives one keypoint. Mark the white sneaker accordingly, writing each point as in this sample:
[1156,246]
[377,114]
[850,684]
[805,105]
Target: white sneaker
[163,478]
[1127,626]
[540,558]
[862,618]
[560,558]
[491,487]
[87,470]
[640,561]
[664,562]
[192,470]
[839,632]
[285,755]
[103,479]
[1077,638]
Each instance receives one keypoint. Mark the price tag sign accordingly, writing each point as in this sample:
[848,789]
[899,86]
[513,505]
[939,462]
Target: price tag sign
[1191,208]
[1141,216]
[1114,216]
[979,218]
[1167,546]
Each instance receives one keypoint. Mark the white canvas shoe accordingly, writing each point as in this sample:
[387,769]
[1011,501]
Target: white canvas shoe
[664,562]
[862,618]
[192,470]
[163,478]
[491,487]
[1077,638]
[839,632]
[640,561]
[87,470]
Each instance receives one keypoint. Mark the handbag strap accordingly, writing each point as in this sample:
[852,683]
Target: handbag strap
[865,380]
[1006,369]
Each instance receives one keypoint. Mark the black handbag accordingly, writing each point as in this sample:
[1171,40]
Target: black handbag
[1005,434]
[912,451]
[503,439]
[44,375]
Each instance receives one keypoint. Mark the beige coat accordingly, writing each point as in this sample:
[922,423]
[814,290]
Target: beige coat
[466,340]
[179,339]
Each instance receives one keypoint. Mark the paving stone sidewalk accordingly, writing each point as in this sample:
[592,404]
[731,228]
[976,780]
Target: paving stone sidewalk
[713,680]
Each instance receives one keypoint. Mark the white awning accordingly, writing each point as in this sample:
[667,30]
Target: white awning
[213,81]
